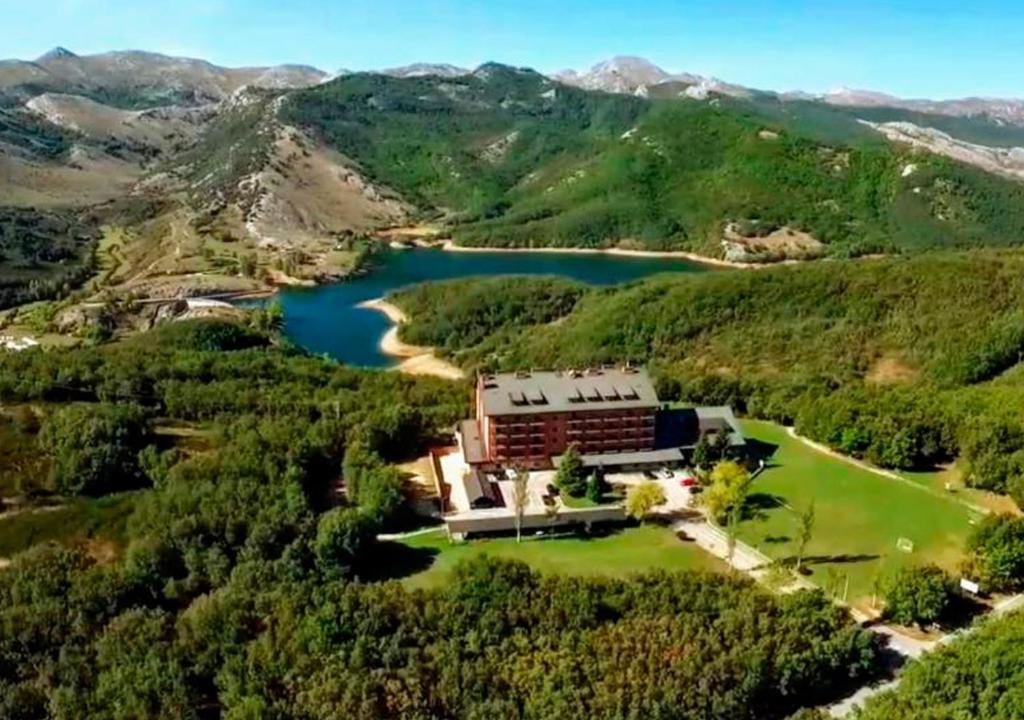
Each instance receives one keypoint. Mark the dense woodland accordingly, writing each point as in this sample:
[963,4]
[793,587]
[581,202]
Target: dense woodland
[908,362]
[246,590]
[522,161]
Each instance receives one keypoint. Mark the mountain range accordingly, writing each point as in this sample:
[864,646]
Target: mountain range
[192,177]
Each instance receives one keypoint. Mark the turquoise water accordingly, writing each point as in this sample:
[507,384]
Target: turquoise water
[325,319]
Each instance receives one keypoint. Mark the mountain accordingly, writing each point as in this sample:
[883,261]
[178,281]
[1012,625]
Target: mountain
[200,171]
[426,69]
[516,159]
[134,79]
[623,74]
[1010,111]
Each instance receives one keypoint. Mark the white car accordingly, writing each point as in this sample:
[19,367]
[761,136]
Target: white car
[667,474]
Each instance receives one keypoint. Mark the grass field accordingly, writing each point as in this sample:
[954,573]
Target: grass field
[99,523]
[860,515]
[430,557]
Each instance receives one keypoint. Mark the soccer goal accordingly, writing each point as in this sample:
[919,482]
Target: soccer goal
[905,545]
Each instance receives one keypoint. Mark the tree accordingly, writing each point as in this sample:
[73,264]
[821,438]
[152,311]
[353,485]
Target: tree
[95,448]
[725,497]
[571,478]
[268,319]
[728,490]
[918,595]
[520,496]
[341,535]
[721,445]
[643,498]
[996,550]
[806,529]
[702,452]
[596,486]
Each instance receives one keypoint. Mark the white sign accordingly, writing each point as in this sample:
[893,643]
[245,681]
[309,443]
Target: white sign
[970,586]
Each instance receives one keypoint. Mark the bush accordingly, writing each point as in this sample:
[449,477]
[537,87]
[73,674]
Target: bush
[918,595]
[95,449]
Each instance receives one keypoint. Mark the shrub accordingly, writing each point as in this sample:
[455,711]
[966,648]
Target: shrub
[918,595]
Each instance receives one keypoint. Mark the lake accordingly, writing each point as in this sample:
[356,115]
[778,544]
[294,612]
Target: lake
[325,319]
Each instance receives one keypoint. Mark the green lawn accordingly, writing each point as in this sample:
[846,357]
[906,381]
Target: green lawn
[430,557]
[860,515]
[102,521]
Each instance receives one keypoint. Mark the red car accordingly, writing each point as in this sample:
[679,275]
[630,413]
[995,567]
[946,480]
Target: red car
[688,482]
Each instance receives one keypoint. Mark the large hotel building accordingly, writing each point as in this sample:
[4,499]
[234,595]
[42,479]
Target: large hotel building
[611,416]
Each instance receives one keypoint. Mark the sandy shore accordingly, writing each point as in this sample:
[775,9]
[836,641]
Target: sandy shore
[450,246]
[414,359]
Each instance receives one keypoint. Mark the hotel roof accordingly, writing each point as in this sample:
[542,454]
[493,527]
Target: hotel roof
[526,393]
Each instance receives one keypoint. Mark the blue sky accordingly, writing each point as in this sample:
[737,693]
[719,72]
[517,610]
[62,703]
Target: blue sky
[911,48]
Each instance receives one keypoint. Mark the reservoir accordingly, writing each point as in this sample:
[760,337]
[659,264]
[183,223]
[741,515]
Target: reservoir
[325,319]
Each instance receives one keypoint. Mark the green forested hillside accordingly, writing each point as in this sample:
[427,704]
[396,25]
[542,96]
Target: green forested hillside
[245,585]
[519,160]
[459,143]
[907,361]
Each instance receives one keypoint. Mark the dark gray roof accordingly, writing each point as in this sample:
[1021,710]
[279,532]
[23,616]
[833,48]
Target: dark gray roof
[643,457]
[472,444]
[568,391]
[481,492]
[717,419]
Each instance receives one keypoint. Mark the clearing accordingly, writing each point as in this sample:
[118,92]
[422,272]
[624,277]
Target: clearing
[430,557]
[860,516]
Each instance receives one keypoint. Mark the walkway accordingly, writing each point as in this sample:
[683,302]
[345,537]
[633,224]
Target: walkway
[914,649]
[744,558]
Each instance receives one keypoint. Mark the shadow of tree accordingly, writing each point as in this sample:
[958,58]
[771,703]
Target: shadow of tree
[391,560]
[758,504]
[836,559]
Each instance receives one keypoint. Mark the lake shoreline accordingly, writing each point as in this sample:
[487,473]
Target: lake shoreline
[413,359]
[450,246]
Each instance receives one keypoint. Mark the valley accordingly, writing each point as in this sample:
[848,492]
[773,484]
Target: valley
[481,392]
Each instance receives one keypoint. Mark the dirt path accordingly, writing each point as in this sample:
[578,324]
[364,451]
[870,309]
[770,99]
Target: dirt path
[450,246]
[414,359]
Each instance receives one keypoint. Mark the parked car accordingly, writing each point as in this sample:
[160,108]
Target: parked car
[689,482]
[649,474]
[667,474]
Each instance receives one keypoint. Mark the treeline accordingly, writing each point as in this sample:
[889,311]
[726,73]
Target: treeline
[251,588]
[44,254]
[981,676]
[908,362]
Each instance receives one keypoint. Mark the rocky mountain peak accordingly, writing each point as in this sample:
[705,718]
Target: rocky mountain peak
[57,53]
[623,74]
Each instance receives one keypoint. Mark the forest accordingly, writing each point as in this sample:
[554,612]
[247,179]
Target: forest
[508,158]
[908,362]
[246,588]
